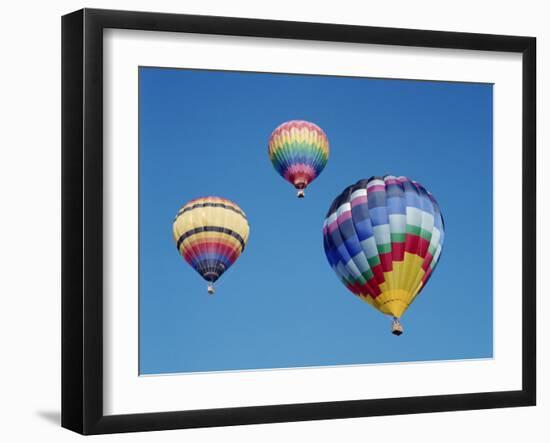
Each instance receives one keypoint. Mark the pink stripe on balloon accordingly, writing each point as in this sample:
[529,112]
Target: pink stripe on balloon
[376,188]
[299,170]
[333,226]
[359,200]
[344,216]
[392,181]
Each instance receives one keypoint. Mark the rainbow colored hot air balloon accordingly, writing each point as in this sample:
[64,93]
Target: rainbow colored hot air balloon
[299,152]
[383,238]
[210,233]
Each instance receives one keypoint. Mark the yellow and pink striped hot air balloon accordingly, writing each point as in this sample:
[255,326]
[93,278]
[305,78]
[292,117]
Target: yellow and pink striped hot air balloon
[210,234]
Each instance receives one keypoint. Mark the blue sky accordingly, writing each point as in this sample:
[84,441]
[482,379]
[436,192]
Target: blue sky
[280,305]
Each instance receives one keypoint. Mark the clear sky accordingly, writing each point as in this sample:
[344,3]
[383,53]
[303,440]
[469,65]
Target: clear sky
[280,305]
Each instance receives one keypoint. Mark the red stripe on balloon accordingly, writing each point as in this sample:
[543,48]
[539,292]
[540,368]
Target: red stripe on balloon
[427,260]
[370,287]
[378,274]
[386,262]
[398,251]
[423,245]
[411,243]
[414,244]
[426,276]
[212,247]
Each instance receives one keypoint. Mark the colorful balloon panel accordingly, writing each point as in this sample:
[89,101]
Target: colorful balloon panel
[383,238]
[299,151]
[210,234]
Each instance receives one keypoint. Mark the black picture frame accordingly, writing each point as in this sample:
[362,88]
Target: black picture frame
[82,221]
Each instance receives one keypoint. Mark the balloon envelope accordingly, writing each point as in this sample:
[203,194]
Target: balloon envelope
[299,151]
[210,233]
[383,238]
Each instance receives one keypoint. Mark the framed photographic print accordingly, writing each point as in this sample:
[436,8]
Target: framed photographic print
[269,221]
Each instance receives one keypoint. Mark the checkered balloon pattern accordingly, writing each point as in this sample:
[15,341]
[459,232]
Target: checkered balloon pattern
[383,238]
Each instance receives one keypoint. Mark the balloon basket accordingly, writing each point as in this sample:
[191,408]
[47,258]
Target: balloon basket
[211,290]
[300,193]
[396,327]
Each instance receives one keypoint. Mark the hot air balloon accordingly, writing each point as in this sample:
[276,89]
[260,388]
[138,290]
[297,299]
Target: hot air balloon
[299,152]
[210,233]
[383,238]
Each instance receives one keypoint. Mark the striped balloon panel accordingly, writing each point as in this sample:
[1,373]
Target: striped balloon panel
[299,151]
[383,238]
[210,234]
